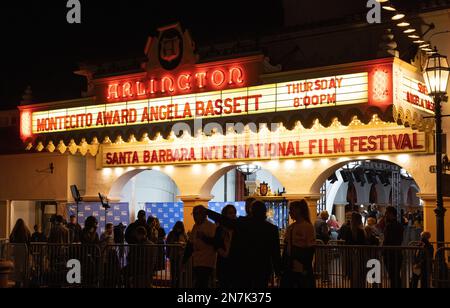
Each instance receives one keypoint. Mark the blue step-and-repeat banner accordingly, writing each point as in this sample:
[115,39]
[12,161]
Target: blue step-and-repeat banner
[118,213]
[168,213]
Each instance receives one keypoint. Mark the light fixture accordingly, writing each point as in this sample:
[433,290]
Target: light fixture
[403,24]
[410,30]
[419,42]
[381,1]
[248,169]
[436,74]
[389,8]
[414,36]
[427,49]
[398,16]
[424,45]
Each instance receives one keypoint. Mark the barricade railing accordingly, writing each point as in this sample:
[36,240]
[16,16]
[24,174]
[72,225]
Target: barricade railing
[19,255]
[162,266]
[371,267]
[419,243]
[3,243]
[145,266]
[50,265]
[441,269]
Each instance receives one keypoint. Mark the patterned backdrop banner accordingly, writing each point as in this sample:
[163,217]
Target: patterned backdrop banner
[118,213]
[170,212]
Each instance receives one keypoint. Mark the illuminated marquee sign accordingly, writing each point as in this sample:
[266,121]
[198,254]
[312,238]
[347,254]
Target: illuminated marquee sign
[264,146]
[295,95]
[212,79]
[415,93]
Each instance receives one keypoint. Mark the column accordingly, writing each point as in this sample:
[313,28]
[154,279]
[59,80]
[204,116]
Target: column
[340,213]
[5,219]
[189,202]
[429,216]
[311,199]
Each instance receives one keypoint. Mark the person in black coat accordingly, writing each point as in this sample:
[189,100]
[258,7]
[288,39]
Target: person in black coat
[130,232]
[258,244]
[74,230]
[393,237]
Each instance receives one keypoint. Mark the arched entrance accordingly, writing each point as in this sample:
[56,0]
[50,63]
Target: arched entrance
[368,187]
[150,190]
[234,184]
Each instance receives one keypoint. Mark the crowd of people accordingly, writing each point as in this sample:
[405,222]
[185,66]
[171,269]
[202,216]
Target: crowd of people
[381,228]
[238,252]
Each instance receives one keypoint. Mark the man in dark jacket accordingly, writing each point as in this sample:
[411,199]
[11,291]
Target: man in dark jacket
[130,233]
[256,249]
[74,229]
[393,237]
[59,234]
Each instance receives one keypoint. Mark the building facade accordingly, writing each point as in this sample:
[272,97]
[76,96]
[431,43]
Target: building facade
[303,105]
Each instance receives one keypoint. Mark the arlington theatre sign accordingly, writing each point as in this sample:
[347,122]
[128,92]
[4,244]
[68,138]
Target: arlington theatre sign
[174,86]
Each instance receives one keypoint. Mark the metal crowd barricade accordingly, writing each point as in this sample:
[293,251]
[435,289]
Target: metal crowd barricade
[49,265]
[18,254]
[348,266]
[145,266]
[441,269]
[3,243]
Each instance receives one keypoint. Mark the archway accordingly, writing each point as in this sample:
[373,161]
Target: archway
[234,184]
[152,191]
[368,186]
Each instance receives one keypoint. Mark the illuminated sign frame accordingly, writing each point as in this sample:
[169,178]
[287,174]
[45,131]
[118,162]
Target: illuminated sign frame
[337,90]
[353,140]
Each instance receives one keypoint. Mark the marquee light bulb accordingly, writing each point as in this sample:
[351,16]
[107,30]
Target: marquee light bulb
[398,16]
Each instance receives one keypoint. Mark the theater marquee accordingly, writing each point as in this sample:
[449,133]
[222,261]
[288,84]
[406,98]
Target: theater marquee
[295,144]
[329,91]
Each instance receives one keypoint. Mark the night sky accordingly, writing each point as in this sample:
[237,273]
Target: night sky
[40,49]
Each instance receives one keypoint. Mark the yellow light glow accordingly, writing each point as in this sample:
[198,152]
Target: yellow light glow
[325,161]
[169,169]
[273,164]
[403,158]
[307,163]
[343,159]
[389,8]
[290,164]
[411,30]
[196,169]
[398,16]
[403,24]
[107,171]
[118,171]
[383,157]
[225,165]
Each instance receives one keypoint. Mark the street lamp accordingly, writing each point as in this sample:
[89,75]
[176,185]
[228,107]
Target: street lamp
[436,76]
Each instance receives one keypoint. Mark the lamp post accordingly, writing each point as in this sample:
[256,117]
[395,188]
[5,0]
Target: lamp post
[436,76]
